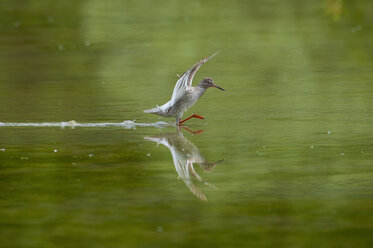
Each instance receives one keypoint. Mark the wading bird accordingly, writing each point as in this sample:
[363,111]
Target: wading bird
[185,95]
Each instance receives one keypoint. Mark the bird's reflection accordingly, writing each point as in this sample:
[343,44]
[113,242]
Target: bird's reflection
[184,154]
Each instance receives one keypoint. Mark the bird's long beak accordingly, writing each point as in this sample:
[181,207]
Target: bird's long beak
[219,87]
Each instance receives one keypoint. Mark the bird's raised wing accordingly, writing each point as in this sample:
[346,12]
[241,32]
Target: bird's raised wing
[185,80]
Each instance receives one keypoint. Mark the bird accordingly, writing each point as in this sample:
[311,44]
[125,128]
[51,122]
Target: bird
[184,95]
[185,154]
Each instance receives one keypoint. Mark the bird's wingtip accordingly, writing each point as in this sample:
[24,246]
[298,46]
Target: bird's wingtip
[218,51]
[206,59]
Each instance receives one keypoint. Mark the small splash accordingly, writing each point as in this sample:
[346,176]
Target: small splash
[50,19]
[259,153]
[128,124]
[357,28]
[16,24]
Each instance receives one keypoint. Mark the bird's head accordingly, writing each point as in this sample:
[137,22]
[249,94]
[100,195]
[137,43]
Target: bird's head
[208,82]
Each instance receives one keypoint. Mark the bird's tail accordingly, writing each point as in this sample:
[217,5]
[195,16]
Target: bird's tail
[159,110]
[152,111]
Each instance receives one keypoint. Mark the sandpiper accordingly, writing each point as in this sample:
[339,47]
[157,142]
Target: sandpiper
[185,95]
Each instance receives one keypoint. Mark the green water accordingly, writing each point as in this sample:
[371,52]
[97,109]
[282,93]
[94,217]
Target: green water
[294,130]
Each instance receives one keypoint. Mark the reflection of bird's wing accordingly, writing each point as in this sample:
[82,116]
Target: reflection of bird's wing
[185,170]
[196,191]
[180,160]
[185,80]
[183,165]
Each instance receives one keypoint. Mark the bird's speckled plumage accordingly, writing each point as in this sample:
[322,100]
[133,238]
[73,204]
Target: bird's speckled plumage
[184,95]
[186,101]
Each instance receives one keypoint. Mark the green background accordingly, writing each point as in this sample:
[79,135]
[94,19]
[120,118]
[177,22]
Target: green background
[294,127]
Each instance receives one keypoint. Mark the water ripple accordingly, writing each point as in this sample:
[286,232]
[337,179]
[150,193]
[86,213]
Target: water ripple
[126,124]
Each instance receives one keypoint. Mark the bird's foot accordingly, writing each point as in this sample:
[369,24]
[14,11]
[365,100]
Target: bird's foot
[192,116]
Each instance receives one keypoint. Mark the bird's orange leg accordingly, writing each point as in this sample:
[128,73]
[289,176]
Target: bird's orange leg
[192,116]
[193,132]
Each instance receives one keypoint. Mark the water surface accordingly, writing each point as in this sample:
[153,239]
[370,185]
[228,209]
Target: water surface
[284,158]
